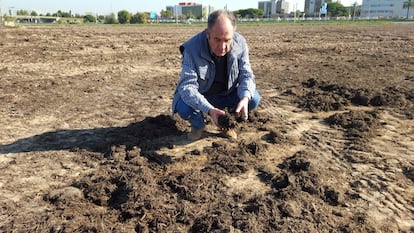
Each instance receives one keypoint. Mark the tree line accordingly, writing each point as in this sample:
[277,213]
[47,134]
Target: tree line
[122,17]
[125,17]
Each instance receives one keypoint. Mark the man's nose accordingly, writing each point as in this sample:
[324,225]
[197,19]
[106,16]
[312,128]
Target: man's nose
[223,46]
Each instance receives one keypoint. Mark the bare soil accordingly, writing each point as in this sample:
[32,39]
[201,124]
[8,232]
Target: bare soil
[88,144]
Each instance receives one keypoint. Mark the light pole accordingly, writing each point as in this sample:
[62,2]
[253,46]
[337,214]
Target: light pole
[1,15]
[294,13]
[176,14]
[355,5]
[10,10]
[407,5]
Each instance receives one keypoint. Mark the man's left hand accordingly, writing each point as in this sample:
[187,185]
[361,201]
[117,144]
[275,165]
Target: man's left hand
[243,107]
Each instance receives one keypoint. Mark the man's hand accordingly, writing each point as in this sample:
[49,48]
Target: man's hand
[214,114]
[243,108]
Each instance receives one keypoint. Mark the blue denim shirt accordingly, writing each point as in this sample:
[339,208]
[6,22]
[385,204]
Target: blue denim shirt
[198,72]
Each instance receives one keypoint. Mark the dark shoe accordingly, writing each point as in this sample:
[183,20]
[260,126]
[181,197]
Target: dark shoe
[195,134]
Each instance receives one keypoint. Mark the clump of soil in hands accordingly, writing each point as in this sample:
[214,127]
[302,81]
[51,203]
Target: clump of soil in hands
[227,121]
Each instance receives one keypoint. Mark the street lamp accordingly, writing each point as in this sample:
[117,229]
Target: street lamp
[1,15]
[10,10]
[355,7]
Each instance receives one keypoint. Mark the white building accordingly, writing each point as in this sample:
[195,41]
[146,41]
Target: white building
[176,10]
[385,9]
[282,7]
[197,10]
[268,8]
[313,7]
[274,7]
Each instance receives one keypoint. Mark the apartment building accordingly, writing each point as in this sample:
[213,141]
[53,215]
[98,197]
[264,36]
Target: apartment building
[192,9]
[385,9]
[282,7]
[313,7]
[273,7]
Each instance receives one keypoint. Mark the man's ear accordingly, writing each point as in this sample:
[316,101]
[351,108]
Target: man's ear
[207,33]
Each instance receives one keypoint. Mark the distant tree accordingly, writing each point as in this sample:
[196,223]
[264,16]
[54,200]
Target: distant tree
[298,13]
[166,14]
[249,13]
[22,12]
[145,16]
[135,18]
[33,13]
[62,14]
[48,14]
[101,18]
[190,15]
[407,5]
[140,18]
[110,19]
[67,14]
[356,10]
[337,9]
[89,18]
[182,17]
[124,17]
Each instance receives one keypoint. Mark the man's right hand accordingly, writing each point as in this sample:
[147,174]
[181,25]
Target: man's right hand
[214,114]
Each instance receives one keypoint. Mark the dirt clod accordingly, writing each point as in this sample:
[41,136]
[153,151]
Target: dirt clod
[227,121]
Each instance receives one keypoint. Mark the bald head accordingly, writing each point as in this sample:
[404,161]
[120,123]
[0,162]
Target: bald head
[218,15]
[220,31]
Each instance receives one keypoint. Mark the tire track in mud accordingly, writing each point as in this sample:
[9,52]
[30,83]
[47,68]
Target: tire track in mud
[382,203]
[304,129]
[301,132]
[308,140]
[383,178]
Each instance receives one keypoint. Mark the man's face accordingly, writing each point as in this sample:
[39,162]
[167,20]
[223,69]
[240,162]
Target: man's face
[220,36]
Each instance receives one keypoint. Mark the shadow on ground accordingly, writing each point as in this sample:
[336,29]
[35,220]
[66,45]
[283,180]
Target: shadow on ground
[150,134]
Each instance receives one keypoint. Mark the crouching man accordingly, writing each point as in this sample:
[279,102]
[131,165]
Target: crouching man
[216,74]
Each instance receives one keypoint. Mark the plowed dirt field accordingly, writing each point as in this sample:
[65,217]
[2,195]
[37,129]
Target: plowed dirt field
[87,142]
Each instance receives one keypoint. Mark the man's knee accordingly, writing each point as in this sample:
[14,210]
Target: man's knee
[184,110]
[254,102]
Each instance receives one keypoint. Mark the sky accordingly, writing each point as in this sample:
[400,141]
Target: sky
[103,7]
